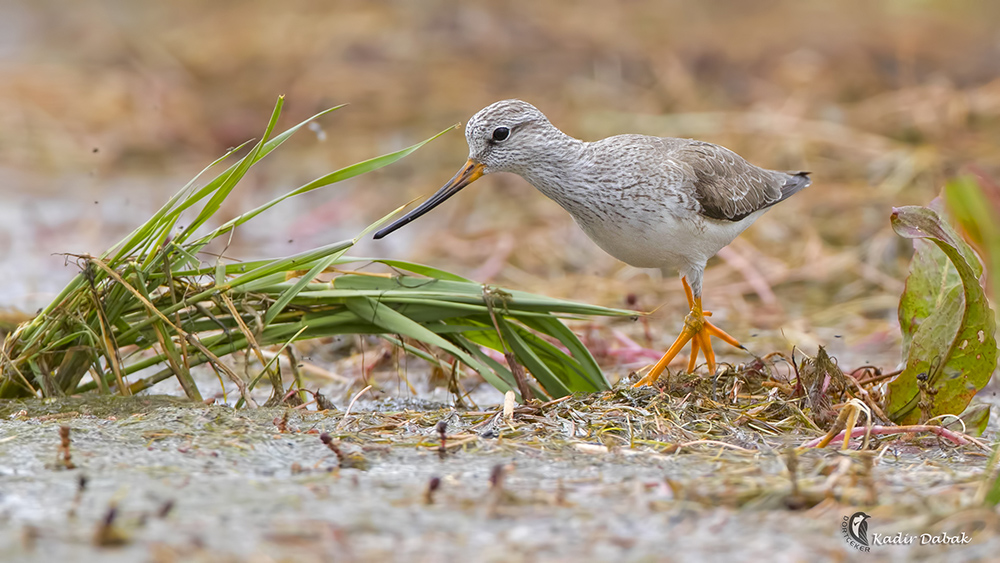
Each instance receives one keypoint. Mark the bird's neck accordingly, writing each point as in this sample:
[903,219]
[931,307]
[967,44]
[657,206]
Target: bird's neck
[558,168]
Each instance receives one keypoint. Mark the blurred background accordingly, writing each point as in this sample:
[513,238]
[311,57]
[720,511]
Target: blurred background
[108,108]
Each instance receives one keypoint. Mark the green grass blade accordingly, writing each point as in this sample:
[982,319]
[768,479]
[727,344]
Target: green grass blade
[143,232]
[527,355]
[290,293]
[415,268]
[235,176]
[295,262]
[325,180]
[588,366]
[396,323]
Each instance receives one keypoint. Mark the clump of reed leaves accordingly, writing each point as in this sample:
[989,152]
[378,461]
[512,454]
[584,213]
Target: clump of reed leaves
[155,300]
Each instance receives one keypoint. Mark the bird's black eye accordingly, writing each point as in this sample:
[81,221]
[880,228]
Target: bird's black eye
[501,133]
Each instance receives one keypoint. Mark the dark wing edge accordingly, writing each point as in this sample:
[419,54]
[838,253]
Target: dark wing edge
[795,183]
[729,188]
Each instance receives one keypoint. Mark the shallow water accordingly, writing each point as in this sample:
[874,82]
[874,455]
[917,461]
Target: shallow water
[239,488]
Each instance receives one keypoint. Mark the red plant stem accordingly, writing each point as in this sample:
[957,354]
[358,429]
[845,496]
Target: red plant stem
[950,435]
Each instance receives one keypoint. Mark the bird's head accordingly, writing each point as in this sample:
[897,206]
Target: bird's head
[502,137]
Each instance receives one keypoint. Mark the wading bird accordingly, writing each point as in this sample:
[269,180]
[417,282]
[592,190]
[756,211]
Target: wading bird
[651,202]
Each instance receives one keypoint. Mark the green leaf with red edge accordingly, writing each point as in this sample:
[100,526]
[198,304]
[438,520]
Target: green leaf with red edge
[947,324]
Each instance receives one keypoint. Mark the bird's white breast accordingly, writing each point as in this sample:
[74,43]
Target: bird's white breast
[670,242]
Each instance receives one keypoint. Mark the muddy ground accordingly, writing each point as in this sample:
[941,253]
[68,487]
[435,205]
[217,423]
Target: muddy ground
[193,482]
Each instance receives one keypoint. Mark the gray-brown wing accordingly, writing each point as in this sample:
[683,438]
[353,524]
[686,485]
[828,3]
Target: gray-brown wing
[728,187]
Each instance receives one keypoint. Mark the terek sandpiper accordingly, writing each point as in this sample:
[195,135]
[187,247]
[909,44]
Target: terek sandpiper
[651,202]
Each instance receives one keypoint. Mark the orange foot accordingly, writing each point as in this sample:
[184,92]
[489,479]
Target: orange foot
[698,330]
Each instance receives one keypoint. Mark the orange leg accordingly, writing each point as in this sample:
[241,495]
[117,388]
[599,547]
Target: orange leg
[699,331]
[696,343]
[707,346]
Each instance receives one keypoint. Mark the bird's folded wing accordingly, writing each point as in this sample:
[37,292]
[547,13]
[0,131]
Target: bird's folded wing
[728,187]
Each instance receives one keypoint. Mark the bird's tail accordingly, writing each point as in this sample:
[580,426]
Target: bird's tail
[795,182]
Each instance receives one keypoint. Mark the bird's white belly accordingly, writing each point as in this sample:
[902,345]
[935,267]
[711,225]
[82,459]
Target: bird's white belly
[668,242]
